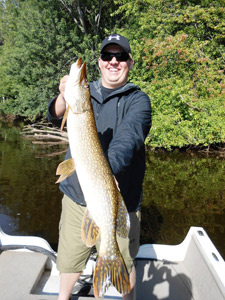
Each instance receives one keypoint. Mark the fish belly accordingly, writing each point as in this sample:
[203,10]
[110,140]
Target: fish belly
[101,196]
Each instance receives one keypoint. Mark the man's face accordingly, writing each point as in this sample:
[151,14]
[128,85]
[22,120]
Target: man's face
[114,73]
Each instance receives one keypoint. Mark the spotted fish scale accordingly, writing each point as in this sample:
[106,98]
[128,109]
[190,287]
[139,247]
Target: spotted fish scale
[106,212]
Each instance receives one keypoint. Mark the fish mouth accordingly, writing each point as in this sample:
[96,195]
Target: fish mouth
[83,73]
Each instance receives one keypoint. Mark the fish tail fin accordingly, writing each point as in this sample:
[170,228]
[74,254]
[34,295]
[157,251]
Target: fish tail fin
[110,271]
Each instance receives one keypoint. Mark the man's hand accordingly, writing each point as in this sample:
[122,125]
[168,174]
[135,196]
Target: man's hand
[62,85]
[59,107]
[117,184]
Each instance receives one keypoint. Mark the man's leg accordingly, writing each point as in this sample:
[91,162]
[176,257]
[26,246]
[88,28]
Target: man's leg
[72,253]
[132,294]
[129,249]
[67,282]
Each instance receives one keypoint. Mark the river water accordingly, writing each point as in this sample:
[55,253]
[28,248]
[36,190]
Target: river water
[180,190]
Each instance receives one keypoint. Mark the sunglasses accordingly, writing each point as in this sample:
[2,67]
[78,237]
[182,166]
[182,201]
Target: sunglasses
[120,56]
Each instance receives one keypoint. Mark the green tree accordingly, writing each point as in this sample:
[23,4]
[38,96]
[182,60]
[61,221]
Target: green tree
[179,54]
[40,41]
[178,49]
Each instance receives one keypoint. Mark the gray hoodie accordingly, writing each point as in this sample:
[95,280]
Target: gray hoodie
[123,121]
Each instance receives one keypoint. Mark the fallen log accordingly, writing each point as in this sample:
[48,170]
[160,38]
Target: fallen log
[46,136]
[44,132]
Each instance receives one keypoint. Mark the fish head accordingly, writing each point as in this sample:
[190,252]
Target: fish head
[77,93]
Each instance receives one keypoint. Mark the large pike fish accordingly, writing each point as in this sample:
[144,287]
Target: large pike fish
[106,212]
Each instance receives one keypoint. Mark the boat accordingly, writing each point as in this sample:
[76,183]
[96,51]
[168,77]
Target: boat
[192,270]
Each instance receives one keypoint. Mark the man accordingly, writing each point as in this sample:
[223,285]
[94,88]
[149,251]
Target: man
[123,119]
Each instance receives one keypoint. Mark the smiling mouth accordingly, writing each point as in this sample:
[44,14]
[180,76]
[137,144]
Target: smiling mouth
[113,70]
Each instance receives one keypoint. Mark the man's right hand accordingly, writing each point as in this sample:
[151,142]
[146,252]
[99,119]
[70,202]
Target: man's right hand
[59,106]
[62,85]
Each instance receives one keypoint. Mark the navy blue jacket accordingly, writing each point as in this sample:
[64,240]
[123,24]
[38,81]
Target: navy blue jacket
[123,121]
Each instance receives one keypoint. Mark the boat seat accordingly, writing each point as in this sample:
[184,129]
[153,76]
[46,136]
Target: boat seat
[20,269]
[20,276]
[192,270]
[199,268]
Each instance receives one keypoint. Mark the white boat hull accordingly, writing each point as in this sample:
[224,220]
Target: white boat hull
[192,270]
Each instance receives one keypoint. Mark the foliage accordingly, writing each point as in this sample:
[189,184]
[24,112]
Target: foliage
[179,61]
[177,46]
[187,88]
[45,37]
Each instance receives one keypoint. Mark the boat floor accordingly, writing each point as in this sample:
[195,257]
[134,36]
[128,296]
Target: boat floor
[24,274]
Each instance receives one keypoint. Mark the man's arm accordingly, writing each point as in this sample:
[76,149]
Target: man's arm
[57,106]
[130,134]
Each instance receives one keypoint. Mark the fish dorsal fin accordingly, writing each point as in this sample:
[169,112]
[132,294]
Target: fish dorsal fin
[65,169]
[123,220]
[89,230]
[65,117]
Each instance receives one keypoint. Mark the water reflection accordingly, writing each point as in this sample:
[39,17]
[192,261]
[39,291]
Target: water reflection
[9,224]
[180,190]
[183,190]
[28,192]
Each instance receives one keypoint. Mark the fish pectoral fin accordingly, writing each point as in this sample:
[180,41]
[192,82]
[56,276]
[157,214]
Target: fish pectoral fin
[65,169]
[89,230]
[123,220]
[65,118]
[109,271]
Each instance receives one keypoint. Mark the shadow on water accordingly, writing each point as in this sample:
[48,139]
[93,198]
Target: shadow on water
[151,222]
[180,190]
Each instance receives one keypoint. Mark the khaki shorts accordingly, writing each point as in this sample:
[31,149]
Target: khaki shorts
[73,253]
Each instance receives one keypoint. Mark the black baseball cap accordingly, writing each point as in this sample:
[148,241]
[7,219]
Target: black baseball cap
[116,39]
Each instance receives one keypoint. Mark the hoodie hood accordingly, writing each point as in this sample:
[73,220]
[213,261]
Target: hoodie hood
[95,88]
